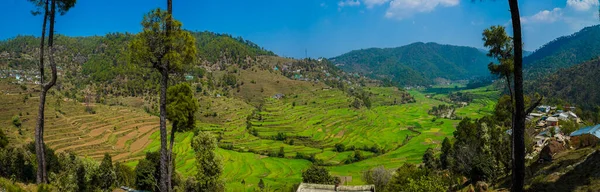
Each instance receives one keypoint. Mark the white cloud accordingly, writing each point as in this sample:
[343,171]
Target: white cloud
[401,9]
[350,3]
[372,3]
[544,16]
[582,5]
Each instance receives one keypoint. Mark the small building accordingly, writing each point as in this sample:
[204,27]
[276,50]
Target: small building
[591,130]
[587,136]
[278,96]
[552,121]
[536,114]
[309,187]
[544,108]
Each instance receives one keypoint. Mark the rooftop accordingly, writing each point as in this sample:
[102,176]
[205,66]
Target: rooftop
[593,130]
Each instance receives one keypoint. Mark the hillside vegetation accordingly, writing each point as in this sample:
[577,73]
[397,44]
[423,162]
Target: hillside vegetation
[576,84]
[417,63]
[563,52]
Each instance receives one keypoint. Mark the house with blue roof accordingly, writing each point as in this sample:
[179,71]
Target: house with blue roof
[590,130]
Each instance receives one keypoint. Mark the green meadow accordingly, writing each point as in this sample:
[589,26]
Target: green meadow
[316,121]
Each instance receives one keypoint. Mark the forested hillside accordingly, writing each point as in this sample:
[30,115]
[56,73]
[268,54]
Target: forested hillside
[577,85]
[105,62]
[563,52]
[417,63]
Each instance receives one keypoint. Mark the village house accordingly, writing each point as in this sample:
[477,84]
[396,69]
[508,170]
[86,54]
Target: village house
[587,136]
[552,121]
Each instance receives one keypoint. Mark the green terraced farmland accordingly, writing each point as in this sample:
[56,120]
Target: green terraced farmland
[316,121]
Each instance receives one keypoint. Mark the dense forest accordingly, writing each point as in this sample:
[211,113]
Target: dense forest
[563,52]
[576,85]
[417,63]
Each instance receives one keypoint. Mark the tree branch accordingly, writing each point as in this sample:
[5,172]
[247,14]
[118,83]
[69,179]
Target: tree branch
[532,107]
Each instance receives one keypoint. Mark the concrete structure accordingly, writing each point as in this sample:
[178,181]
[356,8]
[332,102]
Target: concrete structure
[308,187]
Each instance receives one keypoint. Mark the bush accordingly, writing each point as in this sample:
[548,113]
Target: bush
[16,121]
[281,153]
[340,147]
[3,139]
[318,175]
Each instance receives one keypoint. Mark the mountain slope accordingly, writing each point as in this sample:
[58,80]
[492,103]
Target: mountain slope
[577,84]
[563,52]
[417,63]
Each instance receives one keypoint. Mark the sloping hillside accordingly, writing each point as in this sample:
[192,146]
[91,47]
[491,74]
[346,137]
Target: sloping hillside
[563,52]
[577,84]
[417,63]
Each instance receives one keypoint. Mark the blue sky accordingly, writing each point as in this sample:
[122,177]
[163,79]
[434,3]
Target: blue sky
[324,28]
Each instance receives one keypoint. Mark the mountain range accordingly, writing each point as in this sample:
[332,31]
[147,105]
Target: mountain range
[417,63]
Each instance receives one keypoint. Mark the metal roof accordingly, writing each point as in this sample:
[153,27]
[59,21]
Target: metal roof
[593,130]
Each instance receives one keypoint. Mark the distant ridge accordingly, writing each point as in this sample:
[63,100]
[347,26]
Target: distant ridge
[417,63]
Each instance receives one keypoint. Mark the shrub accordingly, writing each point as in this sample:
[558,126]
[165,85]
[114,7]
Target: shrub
[3,139]
[16,121]
[318,175]
[339,147]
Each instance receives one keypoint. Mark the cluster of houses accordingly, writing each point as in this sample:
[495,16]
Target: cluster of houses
[550,136]
[21,76]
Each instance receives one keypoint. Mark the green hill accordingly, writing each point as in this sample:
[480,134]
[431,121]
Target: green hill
[417,63]
[563,52]
[577,84]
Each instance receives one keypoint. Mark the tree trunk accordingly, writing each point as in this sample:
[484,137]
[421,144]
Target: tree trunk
[163,108]
[518,176]
[39,147]
[163,130]
[172,141]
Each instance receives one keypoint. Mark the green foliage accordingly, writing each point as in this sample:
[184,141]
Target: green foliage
[3,140]
[411,178]
[181,106]
[153,47]
[208,163]
[355,157]
[429,159]
[281,153]
[339,147]
[318,175]
[563,52]
[145,175]
[230,79]
[214,47]
[16,121]
[14,163]
[417,63]
[446,152]
[575,85]
[567,127]
[501,48]
[106,174]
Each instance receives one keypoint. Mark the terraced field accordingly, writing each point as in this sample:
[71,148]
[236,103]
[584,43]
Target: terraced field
[317,121]
[120,131]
